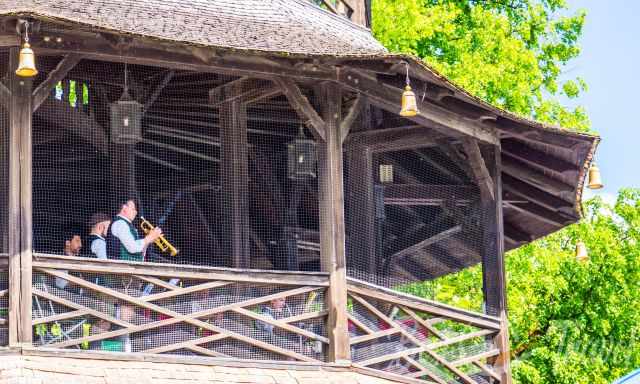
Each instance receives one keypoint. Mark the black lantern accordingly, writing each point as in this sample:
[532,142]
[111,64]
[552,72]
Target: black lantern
[302,157]
[126,118]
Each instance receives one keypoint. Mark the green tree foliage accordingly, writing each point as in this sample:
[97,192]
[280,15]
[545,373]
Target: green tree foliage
[508,52]
[571,322]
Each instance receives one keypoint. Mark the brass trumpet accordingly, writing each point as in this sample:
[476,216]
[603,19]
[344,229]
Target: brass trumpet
[161,242]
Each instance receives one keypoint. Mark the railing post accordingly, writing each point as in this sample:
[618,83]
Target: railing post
[493,270]
[19,206]
[332,227]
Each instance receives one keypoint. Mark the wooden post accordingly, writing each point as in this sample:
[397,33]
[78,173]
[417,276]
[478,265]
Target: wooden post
[20,217]
[332,229]
[493,270]
[235,180]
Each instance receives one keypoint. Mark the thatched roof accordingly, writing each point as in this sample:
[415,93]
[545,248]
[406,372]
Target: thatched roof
[292,26]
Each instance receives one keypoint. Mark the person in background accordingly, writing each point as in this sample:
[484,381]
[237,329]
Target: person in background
[123,240]
[99,223]
[72,247]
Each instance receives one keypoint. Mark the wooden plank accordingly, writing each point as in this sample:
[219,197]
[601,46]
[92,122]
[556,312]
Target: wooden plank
[60,316]
[424,323]
[13,200]
[175,317]
[392,356]
[423,371]
[280,324]
[235,182]
[534,194]
[394,139]
[40,94]
[238,90]
[332,225]
[302,106]
[425,194]
[460,338]
[161,283]
[373,336]
[190,343]
[421,245]
[205,351]
[479,356]
[465,317]
[388,97]
[353,113]
[487,370]
[72,305]
[160,86]
[522,172]
[521,151]
[256,276]
[360,324]
[5,96]
[184,291]
[479,169]
[305,316]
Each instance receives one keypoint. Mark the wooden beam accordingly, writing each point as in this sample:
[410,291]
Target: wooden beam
[155,93]
[521,151]
[493,264]
[5,96]
[538,196]
[479,169]
[412,249]
[522,172]
[388,97]
[235,181]
[394,139]
[426,194]
[332,225]
[19,206]
[357,107]
[45,88]
[302,106]
[238,90]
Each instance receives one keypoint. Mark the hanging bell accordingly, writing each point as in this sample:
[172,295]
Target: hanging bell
[595,182]
[409,105]
[26,62]
[581,252]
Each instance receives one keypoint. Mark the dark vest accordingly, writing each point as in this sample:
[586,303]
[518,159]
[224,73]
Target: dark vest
[90,240]
[116,250]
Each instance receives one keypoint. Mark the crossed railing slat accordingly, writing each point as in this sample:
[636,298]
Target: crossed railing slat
[487,326]
[173,317]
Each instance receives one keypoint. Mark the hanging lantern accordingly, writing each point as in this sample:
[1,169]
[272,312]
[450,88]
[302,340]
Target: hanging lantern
[581,252]
[595,181]
[27,59]
[386,173]
[126,118]
[302,157]
[409,106]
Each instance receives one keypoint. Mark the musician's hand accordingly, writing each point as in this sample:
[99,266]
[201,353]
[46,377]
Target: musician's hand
[153,235]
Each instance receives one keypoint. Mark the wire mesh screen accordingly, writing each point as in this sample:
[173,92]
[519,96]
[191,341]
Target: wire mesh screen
[413,207]
[222,164]
[190,314]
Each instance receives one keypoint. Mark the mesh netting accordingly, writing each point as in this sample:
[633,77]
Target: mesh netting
[413,208]
[222,194]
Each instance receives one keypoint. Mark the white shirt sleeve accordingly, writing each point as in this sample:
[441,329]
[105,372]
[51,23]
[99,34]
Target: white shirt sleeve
[121,230]
[99,248]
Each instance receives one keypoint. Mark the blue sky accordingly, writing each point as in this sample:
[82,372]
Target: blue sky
[610,64]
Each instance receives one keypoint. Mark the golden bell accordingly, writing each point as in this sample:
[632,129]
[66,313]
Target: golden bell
[581,252]
[409,105]
[27,62]
[595,182]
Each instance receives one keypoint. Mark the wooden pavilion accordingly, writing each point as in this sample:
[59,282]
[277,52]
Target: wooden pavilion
[264,137]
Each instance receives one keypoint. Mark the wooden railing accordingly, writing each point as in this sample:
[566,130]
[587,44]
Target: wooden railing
[168,309]
[420,339]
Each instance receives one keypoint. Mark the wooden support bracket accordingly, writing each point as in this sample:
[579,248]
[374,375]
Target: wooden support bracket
[302,106]
[479,169]
[43,91]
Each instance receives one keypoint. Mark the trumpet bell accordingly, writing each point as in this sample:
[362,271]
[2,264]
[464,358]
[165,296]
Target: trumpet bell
[26,62]
[409,104]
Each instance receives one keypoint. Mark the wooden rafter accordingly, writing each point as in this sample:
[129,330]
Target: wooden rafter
[43,91]
[244,89]
[520,171]
[412,249]
[302,106]
[479,169]
[357,107]
[155,93]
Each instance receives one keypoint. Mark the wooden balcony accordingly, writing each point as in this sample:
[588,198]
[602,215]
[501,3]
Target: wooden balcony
[96,305]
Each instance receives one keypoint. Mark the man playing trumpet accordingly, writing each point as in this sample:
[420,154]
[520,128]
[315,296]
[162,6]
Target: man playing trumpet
[123,240]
